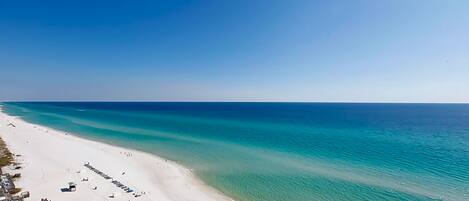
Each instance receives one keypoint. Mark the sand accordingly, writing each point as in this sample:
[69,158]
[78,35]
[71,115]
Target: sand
[50,159]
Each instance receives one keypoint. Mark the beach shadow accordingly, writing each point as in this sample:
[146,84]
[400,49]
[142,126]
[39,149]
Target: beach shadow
[65,190]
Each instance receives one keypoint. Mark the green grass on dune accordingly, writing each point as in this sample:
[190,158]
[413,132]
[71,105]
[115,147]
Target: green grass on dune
[6,157]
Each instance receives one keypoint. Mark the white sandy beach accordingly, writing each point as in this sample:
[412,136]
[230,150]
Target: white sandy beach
[50,159]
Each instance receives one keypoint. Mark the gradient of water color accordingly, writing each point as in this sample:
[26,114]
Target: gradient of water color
[288,151]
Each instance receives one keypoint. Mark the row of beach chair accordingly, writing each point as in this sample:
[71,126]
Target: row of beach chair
[122,186]
[115,182]
[97,171]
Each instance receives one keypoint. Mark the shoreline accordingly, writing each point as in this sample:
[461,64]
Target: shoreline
[51,158]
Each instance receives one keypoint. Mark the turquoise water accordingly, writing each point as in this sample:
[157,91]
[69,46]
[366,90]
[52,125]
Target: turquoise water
[288,151]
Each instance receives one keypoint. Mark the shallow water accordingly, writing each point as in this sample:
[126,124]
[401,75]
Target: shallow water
[288,151]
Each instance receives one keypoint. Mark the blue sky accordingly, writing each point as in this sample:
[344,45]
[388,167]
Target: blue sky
[266,50]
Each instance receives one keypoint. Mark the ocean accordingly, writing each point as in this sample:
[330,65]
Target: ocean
[287,151]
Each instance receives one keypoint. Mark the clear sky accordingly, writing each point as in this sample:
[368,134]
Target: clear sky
[264,50]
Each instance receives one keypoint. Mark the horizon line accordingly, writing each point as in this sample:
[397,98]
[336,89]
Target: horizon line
[208,101]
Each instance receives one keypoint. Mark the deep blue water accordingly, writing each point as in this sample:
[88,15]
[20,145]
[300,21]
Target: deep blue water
[287,151]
